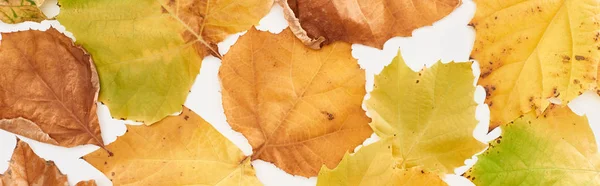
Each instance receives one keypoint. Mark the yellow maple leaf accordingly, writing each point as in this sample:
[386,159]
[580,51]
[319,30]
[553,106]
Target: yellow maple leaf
[533,50]
[431,113]
[299,108]
[178,150]
[375,165]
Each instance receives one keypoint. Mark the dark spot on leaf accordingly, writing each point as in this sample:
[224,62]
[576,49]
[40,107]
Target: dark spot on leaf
[579,58]
[422,172]
[566,58]
[112,173]
[186,117]
[329,115]
[576,81]
[417,81]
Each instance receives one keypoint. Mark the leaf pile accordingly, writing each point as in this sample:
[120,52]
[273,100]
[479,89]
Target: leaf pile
[298,96]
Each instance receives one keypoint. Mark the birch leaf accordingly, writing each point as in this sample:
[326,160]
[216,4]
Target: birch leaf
[530,51]
[17,11]
[148,52]
[431,113]
[375,165]
[48,89]
[557,148]
[178,150]
[299,108]
[365,22]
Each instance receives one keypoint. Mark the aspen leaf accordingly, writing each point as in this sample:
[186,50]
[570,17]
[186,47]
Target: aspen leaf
[299,108]
[530,51]
[26,168]
[17,11]
[557,148]
[148,52]
[365,22]
[431,113]
[178,150]
[48,89]
[375,165]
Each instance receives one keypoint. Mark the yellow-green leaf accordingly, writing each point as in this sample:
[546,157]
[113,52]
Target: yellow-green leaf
[533,50]
[375,165]
[557,148]
[431,113]
[178,150]
[17,11]
[148,52]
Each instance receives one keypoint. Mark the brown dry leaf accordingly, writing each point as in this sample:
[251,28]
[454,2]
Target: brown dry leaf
[178,150]
[48,89]
[299,108]
[27,168]
[17,11]
[366,22]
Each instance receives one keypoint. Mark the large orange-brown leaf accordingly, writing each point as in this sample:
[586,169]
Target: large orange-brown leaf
[48,89]
[299,108]
[365,22]
[26,168]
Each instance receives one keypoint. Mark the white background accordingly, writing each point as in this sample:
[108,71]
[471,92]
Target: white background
[450,39]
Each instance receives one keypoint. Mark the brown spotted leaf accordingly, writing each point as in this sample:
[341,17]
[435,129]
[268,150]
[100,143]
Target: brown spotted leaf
[17,11]
[535,50]
[48,89]
[299,108]
[366,22]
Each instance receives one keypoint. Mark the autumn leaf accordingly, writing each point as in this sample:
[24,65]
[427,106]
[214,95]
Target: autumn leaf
[366,22]
[17,11]
[530,51]
[299,108]
[86,183]
[431,113]
[557,148]
[26,168]
[149,52]
[178,150]
[48,89]
[375,165]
